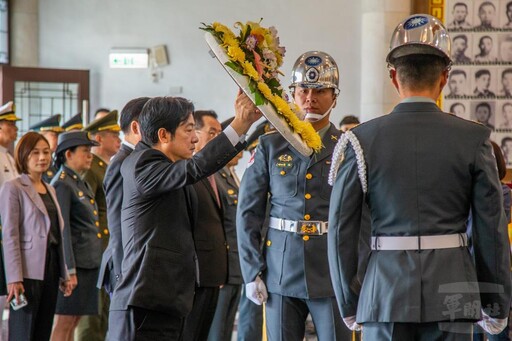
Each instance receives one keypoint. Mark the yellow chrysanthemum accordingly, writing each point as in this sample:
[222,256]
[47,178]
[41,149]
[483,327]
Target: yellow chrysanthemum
[236,54]
[250,71]
[265,90]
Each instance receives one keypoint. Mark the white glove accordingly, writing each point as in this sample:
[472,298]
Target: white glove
[491,325]
[351,323]
[256,291]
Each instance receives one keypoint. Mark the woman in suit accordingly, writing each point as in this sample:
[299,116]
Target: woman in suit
[33,240]
[80,214]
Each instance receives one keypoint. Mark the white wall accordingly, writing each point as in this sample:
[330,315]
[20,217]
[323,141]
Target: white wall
[78,34]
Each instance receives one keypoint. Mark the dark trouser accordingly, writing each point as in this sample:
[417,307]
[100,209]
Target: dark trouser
[198,322]
[432,331]
[225,312]
[137,324]
[94,327]
[286,318]
[34,321]
[250,320]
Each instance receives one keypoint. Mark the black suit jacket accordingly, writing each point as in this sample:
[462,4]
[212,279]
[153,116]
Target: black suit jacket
[425,170]
[110,269]
[158,267]
[228,192]
[209,237]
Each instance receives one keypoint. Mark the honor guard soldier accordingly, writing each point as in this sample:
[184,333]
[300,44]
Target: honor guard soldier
[80,215]
[422,172]
[293,266]
[8,134]
[104,130]
[74,123]
[50,128]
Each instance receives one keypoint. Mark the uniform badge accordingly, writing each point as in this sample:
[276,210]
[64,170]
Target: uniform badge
[313,61]
[334,137]
[285,161]
[415,22]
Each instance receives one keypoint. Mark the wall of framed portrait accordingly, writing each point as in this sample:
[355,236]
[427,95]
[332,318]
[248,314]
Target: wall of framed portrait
[480,83]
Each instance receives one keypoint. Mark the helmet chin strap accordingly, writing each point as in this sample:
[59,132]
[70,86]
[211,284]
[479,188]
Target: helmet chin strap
[317,117]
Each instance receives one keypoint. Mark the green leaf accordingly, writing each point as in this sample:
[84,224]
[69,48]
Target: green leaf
[237,68]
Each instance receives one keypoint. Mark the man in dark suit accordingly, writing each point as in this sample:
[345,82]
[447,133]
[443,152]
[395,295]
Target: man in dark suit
[209,238]
[159,268]
[420,171]
[110,270]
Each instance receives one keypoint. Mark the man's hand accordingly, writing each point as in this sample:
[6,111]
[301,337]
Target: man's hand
[491,325]
[256,291]
[246,114]
[351,323]
[14,290]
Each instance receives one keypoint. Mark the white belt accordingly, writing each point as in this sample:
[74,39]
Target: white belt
[444,241]
[309,227]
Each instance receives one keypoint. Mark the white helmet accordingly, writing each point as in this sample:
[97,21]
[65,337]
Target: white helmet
[420,34]
[315,70]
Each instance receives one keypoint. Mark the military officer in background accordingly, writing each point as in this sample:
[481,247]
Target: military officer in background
[105,131]
[420,171]
[50,128]
[8,134]
[228,183]
[293,266]
[74,123]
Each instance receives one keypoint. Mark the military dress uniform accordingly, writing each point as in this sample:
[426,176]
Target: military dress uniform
[95,327]
[294,263]
[74,123]
[80,214]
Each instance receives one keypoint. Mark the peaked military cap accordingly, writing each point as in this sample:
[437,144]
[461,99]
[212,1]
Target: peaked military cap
[52,123]
[105,123]
[74,138]
[262,128]
[74,123]
[7,112]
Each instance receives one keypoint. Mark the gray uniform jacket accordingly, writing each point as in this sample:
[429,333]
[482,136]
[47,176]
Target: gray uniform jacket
[291,265]
[425,169]
[80,215]
[158,213]
[228,193]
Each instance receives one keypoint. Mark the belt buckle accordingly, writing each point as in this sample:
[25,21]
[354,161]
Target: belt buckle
[308,227]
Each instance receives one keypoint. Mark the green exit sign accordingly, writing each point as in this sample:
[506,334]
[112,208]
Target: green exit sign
[129,58]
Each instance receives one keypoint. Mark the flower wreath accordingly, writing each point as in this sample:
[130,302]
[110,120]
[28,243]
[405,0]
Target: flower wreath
[256,53]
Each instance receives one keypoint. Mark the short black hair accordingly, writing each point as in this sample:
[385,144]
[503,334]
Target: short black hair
[163,112]
[452,107]
[199,114]
[460,4]
[484,104]
[461,36]
[505,140]
[487,3]
[508,4]
[505,72]
[419,71]
[481,40]
[458,72]
[100,110]
[482,72]
[131,112]
[349,120]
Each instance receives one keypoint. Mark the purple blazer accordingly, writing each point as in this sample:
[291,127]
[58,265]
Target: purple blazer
[25,230]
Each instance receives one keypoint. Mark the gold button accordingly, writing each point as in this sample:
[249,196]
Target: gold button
[92,201]
[227,247]
[95,212]
[235,201]
[282,172]
[97,223]
[269,243]
[305,238]
[99,235]
[100,163]
[105,231]
[309,176]
[80,193]
[307,196]
[307,217]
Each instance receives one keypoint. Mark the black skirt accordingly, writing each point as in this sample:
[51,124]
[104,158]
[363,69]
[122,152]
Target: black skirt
[84,299]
